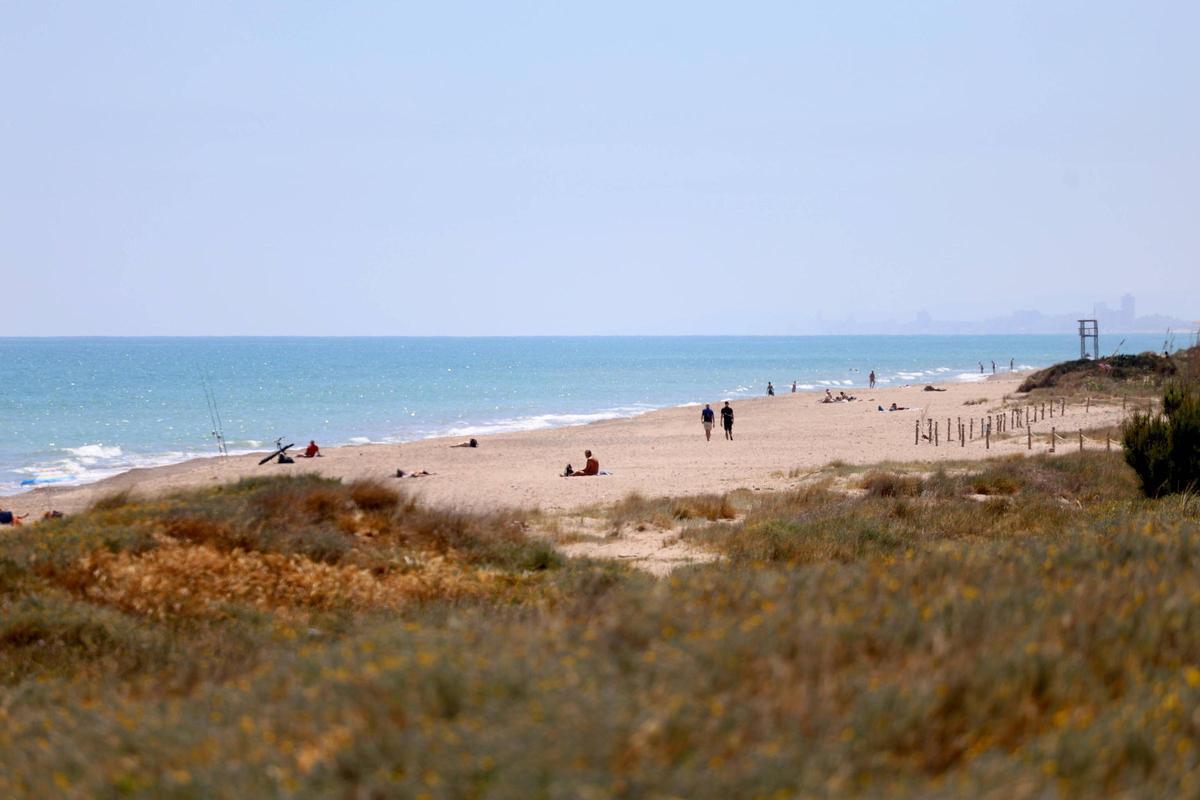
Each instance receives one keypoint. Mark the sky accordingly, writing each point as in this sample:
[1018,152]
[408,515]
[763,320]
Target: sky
[445,168]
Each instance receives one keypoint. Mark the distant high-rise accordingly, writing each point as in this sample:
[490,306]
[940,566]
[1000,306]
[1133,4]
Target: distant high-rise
[1127,309]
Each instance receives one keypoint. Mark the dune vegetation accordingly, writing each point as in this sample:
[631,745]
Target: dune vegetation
[1024,627]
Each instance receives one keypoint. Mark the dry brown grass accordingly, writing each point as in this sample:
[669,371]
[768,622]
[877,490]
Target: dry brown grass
[185,580]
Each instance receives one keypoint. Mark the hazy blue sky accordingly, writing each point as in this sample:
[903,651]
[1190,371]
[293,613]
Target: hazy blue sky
[499,168]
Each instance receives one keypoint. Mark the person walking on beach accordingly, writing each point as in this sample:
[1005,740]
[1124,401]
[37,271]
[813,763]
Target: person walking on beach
[1010,365]
[980,367]
[707,417]
[770,390]
[793,387]
[993,366]
[871,379]
[727,421]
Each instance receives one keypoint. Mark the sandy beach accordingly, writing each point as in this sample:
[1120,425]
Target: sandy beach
[660,453]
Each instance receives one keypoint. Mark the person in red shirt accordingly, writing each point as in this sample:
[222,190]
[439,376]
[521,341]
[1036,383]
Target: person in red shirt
[591,468]
[312,451]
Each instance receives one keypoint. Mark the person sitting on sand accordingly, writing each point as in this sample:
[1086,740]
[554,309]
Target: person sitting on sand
[468,443]
[592,467]
[770,389]
[895,407]
[312,451]
[828,397]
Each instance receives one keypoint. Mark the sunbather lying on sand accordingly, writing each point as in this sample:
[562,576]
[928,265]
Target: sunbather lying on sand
[468,443]
[402,474]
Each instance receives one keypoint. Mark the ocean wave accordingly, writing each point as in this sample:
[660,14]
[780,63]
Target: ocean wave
[96,451]
[971,377]
[539,422]
[96,463]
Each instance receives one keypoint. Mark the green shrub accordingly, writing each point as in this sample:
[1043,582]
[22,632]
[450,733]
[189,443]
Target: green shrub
[1164,449]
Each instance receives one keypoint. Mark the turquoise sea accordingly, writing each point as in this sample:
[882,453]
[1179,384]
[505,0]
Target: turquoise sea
[78,409]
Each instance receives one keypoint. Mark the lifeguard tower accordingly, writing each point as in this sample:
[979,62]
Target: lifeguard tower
[1089,329]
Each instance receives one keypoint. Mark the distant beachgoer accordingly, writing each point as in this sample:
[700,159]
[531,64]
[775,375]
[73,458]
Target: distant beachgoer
[993,366]
[707,417]
[419,474]
[727,421]
[770,389]
[793,387]
[871,379]
[980,367]
[895,407]
[828,397]
[312,451]
[468,443]
[592,467]
[1010,365]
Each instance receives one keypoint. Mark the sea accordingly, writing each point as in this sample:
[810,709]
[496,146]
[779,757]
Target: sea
[75,410]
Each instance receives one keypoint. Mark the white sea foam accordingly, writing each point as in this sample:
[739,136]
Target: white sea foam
[94,451]
[539,422]
[971,377]
[359,440]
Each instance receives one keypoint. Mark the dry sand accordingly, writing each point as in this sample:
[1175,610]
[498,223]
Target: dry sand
[661,453]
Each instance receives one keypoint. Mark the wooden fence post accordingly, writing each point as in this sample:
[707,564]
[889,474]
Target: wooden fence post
[1052,438]
[916,431]
[1028,438]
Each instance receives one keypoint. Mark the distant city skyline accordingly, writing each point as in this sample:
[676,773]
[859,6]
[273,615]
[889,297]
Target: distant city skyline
[1121,319]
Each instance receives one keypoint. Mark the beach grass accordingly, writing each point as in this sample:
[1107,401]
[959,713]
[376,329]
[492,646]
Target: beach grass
[1021,627]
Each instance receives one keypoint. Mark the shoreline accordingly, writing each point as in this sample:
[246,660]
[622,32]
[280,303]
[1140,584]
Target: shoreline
[489,428]
[661,452]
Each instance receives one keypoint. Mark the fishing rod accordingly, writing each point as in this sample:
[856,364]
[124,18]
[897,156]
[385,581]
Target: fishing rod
[214,415]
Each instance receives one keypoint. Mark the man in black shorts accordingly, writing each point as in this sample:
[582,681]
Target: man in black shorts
[727,421]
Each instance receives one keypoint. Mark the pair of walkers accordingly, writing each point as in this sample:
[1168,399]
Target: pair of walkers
[707,416]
